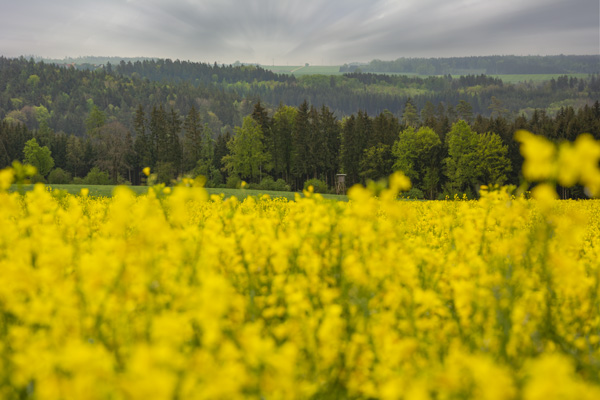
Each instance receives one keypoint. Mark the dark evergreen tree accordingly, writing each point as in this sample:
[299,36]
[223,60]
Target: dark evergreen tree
[142,146]
[330,130]
[354,139]
[221,150]
[174,150]
[386,128]
[317,145]
[260,115]
[192,148]
[159,135]
[300,146]
[283,128]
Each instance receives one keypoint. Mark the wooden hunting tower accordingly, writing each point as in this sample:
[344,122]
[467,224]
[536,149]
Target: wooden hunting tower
[340,184]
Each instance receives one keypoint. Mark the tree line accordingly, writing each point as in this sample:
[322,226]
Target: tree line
[445,150]
[64,97]
[561,64]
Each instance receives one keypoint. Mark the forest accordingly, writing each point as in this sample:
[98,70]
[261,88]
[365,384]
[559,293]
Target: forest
[233,123]
[589,64]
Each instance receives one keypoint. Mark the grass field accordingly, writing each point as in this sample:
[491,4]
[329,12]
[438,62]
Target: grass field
[535,78]
[107,191]
[298,70]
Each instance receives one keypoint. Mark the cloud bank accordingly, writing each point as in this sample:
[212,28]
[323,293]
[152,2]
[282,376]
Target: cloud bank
[294,32]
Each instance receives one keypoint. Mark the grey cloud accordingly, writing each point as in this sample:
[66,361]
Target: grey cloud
[332,31]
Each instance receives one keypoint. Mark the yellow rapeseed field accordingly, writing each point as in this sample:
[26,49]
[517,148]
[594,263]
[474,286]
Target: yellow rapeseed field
[175,295]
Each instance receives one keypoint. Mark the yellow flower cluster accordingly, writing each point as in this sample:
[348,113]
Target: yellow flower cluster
[568,164]
[184,296]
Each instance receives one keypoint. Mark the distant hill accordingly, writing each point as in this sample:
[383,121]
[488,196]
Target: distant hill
[490,65]
[224,95]
[93,60]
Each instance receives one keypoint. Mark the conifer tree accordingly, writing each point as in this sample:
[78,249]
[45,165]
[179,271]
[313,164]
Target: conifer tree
[351,150]
[330,129]
[158,134]
[410,116]
[283,127]
[142,145]
[300,144]
[260,115]
[221,150]
[174,151]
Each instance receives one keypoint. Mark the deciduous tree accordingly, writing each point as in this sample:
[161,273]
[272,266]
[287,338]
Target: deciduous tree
[247,154]
[416,153]
[38,156]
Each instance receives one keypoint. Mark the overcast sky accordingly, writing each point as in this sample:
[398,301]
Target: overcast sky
[326,32]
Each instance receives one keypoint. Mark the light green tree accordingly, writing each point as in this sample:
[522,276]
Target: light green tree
[474,159]
[41,114]
[247,153]
[493,161]
[39,157]
[33,81]
[416,153]
[461,165]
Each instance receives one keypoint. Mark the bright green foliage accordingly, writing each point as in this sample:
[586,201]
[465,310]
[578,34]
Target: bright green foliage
[39,157]
[248,156]
[41,114]
[44,133]
[493,161]
[416,153]
[33,81]
[461,163]
[474,159]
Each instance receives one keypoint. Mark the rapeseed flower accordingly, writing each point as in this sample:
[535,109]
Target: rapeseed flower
[185,295]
